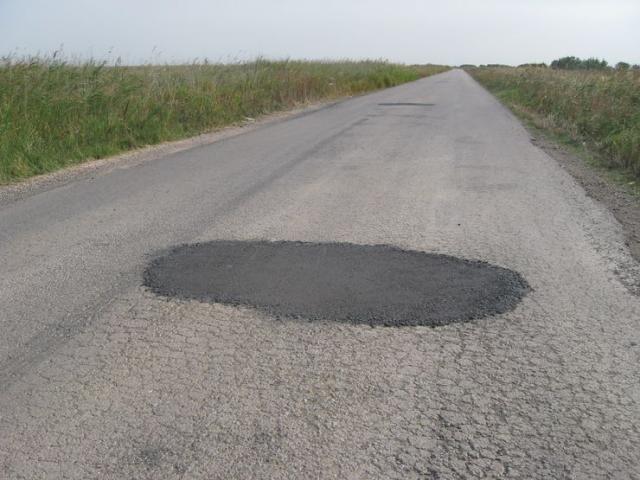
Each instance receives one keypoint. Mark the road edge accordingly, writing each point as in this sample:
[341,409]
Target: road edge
[15,191]
[597,183]
[90,168]
[622,204]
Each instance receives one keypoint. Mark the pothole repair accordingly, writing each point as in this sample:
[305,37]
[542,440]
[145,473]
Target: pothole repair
[362,284]
[405,104]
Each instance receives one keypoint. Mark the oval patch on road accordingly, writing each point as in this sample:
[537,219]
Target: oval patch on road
[375,285]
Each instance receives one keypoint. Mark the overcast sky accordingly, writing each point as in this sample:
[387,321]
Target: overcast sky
[412,31]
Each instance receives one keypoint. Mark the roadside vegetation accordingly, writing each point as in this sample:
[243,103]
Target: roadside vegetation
[598,108]
[54,113]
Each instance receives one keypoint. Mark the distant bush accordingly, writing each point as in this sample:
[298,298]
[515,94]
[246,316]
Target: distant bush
[575,63]
[622,66]
[533,65]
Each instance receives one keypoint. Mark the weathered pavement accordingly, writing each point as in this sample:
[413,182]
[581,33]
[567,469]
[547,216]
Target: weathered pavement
[102,379]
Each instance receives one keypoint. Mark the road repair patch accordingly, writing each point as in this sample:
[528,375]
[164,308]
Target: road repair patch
[406,104]
[375,285]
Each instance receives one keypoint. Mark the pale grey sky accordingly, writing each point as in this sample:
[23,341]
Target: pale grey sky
[412,31]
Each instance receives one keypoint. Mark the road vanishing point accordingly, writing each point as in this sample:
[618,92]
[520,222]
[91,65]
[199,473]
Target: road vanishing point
[398,285]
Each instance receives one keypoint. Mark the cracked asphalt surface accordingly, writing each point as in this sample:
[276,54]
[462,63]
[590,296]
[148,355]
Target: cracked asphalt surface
[103,379]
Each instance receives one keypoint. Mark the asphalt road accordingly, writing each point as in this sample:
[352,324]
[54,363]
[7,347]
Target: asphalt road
[101,378]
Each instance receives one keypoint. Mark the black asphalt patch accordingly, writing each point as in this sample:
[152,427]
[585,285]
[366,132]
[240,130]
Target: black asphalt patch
[406,104]
[374,285]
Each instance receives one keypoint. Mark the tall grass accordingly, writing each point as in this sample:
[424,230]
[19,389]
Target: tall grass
[53,114]
[601,108]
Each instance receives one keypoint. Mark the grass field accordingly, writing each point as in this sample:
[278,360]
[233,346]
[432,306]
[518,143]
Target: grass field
[53,114]
[598,108]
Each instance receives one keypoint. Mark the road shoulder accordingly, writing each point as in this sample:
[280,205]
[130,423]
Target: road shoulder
[598,183]
[90,169]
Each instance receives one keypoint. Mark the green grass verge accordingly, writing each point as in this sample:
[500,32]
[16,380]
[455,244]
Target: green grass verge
[54,114]
[599,110]
[594,159]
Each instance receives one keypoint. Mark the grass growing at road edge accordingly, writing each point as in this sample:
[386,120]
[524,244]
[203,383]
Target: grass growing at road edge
[54,114]
[600,109]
